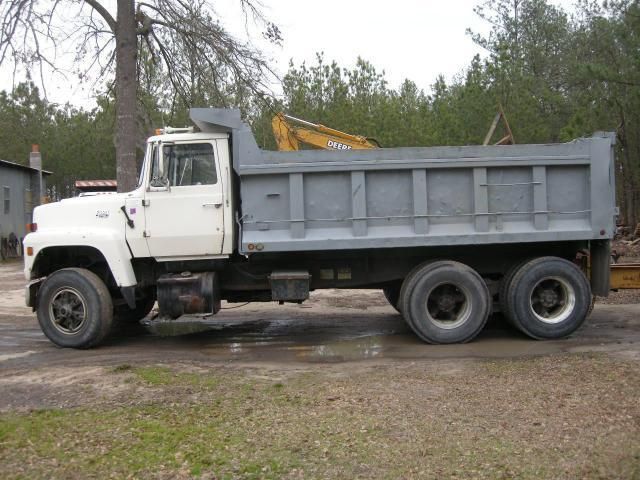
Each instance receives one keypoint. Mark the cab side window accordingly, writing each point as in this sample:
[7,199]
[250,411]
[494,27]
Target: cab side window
[156,176]
[189,164]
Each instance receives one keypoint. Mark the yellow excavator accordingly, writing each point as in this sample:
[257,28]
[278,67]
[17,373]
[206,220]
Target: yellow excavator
[290,132]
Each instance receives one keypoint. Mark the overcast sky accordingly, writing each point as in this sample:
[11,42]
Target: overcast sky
[410,39]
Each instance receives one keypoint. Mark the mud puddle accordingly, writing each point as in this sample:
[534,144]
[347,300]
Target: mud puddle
[311,337]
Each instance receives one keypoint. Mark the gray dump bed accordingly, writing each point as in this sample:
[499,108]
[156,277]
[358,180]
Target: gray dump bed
[398,197]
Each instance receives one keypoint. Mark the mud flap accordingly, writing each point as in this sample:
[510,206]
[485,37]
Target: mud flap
[31,293]
[129,295]
[600,267]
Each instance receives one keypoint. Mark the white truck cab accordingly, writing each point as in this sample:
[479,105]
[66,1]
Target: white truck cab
[180,210]
[182,206]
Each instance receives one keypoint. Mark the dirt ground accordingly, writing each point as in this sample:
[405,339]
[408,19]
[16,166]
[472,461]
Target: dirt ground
[334,388]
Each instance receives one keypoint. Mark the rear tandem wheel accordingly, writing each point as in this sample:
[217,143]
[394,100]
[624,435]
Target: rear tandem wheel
[445,302]
[548,297]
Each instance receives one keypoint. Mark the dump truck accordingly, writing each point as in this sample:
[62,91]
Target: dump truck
[450,234]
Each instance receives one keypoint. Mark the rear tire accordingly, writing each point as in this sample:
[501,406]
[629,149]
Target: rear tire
[74,308]
[548,297]
[407,287]
[504,287]
[449,302]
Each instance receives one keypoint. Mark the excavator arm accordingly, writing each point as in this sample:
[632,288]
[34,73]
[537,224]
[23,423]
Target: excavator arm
[289,136]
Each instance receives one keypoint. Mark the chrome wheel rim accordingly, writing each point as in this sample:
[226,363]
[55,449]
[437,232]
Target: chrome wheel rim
[68,311]
[552,300]
[448,305]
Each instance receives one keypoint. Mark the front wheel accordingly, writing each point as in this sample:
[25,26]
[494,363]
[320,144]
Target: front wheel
[548,297]
[74,308]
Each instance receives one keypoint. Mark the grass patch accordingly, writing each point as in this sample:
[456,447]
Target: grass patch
[134,441]
[164,376]
[156,375]
[125,367]
[556,417]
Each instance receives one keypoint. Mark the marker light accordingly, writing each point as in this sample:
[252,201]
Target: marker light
[32,227]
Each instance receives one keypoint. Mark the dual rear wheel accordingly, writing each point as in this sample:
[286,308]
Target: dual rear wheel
[445,302]
[448,302]
[546,298]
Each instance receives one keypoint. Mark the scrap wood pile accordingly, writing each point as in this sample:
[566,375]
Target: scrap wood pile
[625,248]
[626,244]
[628,234]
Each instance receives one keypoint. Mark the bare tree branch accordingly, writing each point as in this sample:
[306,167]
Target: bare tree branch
[172,53]
[104,13]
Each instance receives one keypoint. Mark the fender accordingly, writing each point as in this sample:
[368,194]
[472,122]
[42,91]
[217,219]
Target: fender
[111,245]
[95,222]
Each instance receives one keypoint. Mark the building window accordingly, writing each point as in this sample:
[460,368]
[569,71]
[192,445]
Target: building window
[7,200]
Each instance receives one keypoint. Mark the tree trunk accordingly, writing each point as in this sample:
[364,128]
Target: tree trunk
[627,186]
[126,132]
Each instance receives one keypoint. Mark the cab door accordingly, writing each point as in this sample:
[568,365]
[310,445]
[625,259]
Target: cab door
[183,205]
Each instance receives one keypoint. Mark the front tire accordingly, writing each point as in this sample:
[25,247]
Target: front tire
[548,297]
[74,308]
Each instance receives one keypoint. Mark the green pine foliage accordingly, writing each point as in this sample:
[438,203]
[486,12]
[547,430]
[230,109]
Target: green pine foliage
[75,144]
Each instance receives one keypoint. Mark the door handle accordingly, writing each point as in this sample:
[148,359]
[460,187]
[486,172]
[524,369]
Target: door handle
[217,204]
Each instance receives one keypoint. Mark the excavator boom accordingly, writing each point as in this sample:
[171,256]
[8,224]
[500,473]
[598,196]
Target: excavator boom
[289,136]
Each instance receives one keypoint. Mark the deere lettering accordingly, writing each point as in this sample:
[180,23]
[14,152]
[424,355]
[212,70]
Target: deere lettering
[338,145]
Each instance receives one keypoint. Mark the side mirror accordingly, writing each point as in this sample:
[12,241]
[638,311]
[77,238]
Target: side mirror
[160,182]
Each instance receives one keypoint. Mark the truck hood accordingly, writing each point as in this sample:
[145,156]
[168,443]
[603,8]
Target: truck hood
[87,212]
[96,222]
